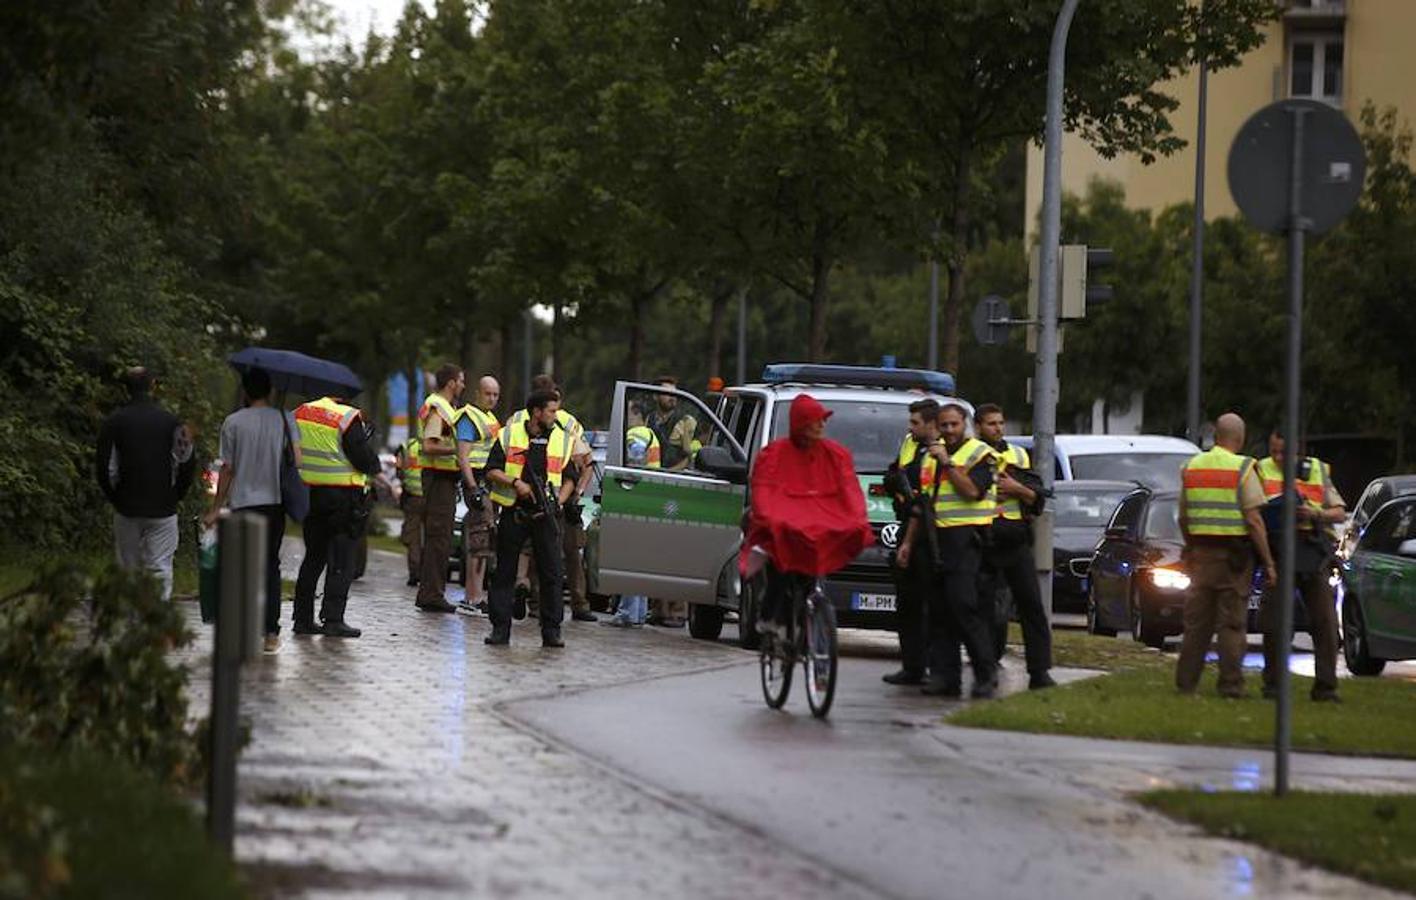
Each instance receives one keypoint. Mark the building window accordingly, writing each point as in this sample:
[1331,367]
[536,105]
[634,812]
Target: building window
[1315,67]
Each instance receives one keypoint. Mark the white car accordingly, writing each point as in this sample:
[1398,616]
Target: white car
[1150,460]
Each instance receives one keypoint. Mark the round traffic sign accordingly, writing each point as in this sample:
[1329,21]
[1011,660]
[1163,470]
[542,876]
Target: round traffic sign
[1333,169]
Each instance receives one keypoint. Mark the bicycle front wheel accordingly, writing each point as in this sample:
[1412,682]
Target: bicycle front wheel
[776,674]
[819,658]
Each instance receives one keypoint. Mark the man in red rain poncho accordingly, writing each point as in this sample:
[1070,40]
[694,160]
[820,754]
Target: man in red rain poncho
[807,511]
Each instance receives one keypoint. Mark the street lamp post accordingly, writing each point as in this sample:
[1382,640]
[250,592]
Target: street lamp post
[1045,389]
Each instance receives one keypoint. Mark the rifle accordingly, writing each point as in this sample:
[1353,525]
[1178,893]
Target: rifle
[543,503]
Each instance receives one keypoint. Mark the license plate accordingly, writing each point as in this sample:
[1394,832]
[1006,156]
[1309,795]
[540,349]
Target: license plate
[873,602]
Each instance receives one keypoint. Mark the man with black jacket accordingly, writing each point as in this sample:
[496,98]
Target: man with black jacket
[337,458]
[526,469]
[912,584]
[1008,557]
[144,464]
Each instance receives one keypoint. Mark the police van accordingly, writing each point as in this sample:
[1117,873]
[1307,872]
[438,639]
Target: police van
[674,534]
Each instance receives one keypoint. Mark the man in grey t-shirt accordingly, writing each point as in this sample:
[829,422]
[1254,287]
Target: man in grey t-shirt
[252,442]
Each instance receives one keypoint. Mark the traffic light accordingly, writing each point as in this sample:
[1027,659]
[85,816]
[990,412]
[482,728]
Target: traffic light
[1077,270]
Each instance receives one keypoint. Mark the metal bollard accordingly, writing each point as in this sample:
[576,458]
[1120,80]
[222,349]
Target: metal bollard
[237,638]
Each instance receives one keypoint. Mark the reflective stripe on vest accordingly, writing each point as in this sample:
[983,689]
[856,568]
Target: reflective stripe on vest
[1212,482]
[322,424]
[516,443]
[1312,489]
[652,455]
[1009,507]
[951,510]
[487,426]
[412,468]
[436,403]
[564,419]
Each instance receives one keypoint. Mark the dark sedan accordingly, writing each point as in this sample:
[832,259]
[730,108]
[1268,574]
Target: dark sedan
[1081,511]
[1137,582]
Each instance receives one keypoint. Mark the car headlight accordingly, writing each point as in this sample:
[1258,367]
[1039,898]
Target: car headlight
[1169,579]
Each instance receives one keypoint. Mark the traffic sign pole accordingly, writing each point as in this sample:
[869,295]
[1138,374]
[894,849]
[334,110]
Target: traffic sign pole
[1297,228]
[1297,168]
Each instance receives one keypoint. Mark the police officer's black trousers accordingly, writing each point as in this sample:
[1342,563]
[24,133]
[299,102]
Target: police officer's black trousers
[955,618]
[912,590]
[332,530]
[1013,567]
[514,528]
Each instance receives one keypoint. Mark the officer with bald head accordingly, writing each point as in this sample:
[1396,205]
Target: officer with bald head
[1224,532]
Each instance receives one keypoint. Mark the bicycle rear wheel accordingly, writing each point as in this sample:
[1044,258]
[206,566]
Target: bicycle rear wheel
[776,674]
[819,656]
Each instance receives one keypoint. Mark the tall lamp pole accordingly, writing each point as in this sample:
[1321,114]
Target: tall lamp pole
[1197,260]
[1045,379]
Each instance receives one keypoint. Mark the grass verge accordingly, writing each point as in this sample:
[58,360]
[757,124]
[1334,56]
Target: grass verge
[1079,650]
[84,826]
[1141,704]
[1368,836]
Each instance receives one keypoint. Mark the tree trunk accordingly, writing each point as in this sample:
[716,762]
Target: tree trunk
[504,363]
[636,335]
[717,318]
[556,337]
[467,349]
[958,252]
[415,395]
[816,339]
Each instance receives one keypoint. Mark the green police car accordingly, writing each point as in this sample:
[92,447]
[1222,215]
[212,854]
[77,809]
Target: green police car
[673,534]
[1378,590]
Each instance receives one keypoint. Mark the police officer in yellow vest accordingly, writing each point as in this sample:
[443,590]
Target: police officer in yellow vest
[651,454]
[477,430]
[410,502]
[436,421]
[572,530]
[531,456]
[1008,558]
[1224,531]
[958,477]
[912,582]
[1321,507]
[337,458]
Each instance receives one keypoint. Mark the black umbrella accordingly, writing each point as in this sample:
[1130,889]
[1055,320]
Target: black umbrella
[291,371]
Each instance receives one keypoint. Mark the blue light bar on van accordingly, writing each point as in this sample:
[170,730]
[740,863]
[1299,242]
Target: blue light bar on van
[859,376]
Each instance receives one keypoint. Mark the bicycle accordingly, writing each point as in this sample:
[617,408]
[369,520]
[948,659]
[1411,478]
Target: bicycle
[811,640]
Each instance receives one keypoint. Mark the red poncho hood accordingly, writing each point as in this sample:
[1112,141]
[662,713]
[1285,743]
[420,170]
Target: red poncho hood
[808,511]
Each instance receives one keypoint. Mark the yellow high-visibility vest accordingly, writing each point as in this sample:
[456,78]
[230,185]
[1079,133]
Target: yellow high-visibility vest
[412,467]
[653,458]
[1212,479]
[515,443]
[908,448]
[1312,489]
[488,427]
[1009,508]
[436,404]
[951,510]
[322,424]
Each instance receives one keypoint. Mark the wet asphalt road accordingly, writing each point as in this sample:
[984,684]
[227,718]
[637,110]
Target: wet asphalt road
[890,799]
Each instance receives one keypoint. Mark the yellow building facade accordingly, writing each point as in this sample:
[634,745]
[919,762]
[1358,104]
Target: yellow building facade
[1346,52]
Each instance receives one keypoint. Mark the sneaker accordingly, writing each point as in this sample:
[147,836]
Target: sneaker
[616,622]
[340,630]
[949,690]
[583,615]
[985,690]
[904,676]
[470,608]
[307,628]
[551,639]
[1040,680]
[437,606]
[272,643]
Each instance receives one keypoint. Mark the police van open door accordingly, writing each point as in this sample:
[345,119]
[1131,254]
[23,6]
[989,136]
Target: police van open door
[666,530]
